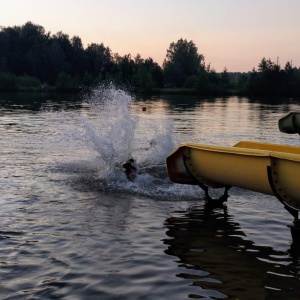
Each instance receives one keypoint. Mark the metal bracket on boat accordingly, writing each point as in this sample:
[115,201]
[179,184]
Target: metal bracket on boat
[205,188]
[295,227]
[292,211]
[212,201]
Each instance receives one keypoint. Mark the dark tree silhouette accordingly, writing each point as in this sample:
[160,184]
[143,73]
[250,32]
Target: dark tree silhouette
[182,61]
[31,57]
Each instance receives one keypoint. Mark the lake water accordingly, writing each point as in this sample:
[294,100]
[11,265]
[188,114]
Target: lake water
[73,227]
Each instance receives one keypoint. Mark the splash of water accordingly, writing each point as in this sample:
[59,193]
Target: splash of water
[109,133]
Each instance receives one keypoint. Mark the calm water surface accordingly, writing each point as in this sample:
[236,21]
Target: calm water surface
[73,227]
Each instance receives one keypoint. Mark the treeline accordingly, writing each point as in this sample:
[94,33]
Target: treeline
[33,59]
[270,80]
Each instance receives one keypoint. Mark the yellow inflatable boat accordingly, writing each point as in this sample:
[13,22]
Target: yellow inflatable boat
[267,168]
[271,169]
[261,167]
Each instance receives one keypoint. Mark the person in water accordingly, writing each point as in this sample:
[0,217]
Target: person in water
[130,169]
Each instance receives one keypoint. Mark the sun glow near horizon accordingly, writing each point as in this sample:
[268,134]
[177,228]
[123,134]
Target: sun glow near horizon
[229,33]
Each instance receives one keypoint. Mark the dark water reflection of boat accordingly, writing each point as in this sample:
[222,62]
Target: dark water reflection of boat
[215,255]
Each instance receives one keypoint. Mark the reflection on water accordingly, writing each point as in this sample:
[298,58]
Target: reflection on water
[38,101]
[227,120]
[215,255]
[69,231]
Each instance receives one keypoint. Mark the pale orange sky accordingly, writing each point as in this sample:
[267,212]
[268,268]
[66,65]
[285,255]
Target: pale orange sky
[235,34]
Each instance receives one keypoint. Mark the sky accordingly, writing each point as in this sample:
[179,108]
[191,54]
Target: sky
[235,34]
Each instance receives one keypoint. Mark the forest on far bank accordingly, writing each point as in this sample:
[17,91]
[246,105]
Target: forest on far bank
[32,59]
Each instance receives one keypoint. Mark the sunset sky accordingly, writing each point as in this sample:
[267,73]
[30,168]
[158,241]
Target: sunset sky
[235,34]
